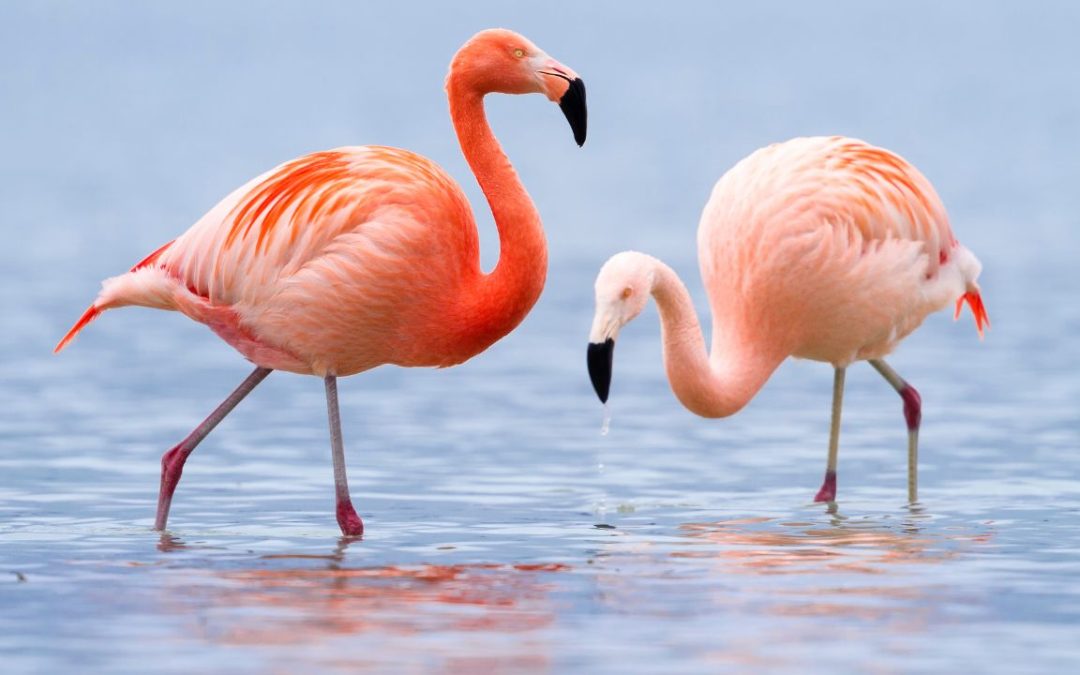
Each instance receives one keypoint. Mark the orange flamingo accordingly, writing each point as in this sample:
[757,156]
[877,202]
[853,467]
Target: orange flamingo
[341,261]
[819,248]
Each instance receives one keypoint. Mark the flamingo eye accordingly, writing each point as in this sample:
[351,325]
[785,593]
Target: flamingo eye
[627,292]
[518,53]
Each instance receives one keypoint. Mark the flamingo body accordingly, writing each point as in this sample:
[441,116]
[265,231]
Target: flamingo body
[344,260]
[824,248]
[828,249]
[335,262]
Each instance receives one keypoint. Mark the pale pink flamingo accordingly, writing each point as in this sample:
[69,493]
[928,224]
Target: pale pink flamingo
[341,261]
[819,248]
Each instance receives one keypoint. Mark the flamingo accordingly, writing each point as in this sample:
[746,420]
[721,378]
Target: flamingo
[828,249]
[340,261]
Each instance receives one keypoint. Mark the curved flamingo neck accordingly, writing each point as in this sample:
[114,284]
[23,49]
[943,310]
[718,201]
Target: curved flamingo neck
[716,386]
[500,300]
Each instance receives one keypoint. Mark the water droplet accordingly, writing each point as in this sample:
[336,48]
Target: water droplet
[605,426]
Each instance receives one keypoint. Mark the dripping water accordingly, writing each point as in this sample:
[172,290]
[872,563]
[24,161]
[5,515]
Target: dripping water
[601,506]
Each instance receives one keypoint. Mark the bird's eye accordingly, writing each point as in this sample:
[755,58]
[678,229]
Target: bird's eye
[627,292]
[519,53]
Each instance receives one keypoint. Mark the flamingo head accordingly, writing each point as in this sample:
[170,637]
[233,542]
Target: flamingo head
[501,61]
[623,288]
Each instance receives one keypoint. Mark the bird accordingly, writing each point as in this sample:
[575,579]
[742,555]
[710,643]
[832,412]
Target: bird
[821,248]
[340,261]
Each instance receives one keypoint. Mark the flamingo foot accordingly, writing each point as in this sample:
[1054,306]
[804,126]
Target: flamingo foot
[172,467]
[827,493]
[350,523]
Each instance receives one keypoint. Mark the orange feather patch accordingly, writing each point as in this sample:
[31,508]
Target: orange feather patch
[298,185]
[907,197]
[974,301]
[89,315]
[93,311]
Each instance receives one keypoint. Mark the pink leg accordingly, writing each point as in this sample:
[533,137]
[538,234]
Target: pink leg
[913,417]
[827,493]
[172,462]
[350,523]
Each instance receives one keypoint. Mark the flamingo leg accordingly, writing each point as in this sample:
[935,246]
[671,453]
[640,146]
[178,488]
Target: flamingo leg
[827,493]
[172,462]
[350,523]
[913,416]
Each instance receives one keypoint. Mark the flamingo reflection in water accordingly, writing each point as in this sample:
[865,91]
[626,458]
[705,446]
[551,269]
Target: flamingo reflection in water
[864,570]
[306,599]
[758,546]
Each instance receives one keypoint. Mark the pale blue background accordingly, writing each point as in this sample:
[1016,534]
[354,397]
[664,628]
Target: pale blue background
[122,122]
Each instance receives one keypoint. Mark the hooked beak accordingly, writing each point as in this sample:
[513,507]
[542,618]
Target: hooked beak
[599,359]
[573,106]
[572,100]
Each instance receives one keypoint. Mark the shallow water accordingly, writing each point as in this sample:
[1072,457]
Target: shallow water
[503,531]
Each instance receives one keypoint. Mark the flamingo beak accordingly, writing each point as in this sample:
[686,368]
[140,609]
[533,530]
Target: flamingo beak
[571,99]
[599,358]
[573,106]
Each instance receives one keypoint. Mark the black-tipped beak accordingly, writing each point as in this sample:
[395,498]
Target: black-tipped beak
[599,359]
[573,106]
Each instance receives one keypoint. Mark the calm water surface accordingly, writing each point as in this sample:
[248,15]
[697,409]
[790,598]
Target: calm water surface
[504,533]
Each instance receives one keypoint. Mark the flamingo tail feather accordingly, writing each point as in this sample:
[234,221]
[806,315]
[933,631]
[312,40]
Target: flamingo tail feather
[978,310]
[145,285]
[89,315]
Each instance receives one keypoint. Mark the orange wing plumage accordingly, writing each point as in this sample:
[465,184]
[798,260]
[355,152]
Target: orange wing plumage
[303,189]
[896,193]
[349,213]
[281,221]
[853,184]
[898,196]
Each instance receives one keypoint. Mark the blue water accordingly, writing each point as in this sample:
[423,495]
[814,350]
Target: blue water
[482,486]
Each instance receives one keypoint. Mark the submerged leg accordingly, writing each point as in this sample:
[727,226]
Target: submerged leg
[827,493]
[913,416]
[350,523]
[172,462]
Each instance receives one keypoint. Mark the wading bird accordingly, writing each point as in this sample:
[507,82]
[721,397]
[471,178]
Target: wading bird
[341,261]
[819,248]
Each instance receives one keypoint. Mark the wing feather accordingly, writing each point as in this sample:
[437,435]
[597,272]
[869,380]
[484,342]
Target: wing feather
[268,229]
[799,185]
